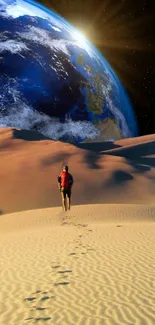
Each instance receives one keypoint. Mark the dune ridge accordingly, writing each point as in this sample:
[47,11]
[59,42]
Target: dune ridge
[123,171]
[94,213]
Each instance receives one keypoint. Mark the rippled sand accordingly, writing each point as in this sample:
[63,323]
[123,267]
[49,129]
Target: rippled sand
[92,266]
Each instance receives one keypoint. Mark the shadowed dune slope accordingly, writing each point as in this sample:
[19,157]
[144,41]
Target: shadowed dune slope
[120,172]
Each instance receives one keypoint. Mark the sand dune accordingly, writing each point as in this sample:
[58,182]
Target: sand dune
[92,213]
[118,172]
[94,265]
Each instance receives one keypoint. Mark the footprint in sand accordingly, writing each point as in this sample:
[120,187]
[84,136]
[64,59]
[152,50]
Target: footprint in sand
[65,271]
[42,318]
[82,225]
[56,266]
[38,308]
[37,319]
[61,283]
[30,299]
[64,223]
[44,298]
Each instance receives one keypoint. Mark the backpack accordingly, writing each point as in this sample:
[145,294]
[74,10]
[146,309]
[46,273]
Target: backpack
[65,179]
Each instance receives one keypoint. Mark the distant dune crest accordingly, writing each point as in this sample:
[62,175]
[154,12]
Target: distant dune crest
[105,172]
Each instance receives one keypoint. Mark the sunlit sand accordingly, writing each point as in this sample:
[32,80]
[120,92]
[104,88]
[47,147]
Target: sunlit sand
[94,265]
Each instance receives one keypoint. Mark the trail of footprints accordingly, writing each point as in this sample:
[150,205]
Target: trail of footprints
[42,296]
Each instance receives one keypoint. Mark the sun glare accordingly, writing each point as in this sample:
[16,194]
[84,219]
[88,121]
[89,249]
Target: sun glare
[80,37]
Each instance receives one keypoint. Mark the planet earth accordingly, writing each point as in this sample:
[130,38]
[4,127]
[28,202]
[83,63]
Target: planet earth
[53,80]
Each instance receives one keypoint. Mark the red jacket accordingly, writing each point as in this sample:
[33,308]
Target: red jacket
[65,179]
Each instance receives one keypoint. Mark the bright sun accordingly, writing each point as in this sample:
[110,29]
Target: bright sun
[80,37]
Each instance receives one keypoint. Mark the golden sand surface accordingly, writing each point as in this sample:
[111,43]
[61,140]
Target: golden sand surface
[94,265]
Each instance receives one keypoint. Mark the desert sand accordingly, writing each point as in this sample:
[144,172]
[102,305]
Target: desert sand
[93,265]
[119,172]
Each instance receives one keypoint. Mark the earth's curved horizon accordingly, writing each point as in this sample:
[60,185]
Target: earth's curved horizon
[55,82]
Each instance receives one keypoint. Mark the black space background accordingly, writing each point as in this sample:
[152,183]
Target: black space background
[124,32]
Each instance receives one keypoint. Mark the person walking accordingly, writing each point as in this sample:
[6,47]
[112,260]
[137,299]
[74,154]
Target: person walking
[65,183]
